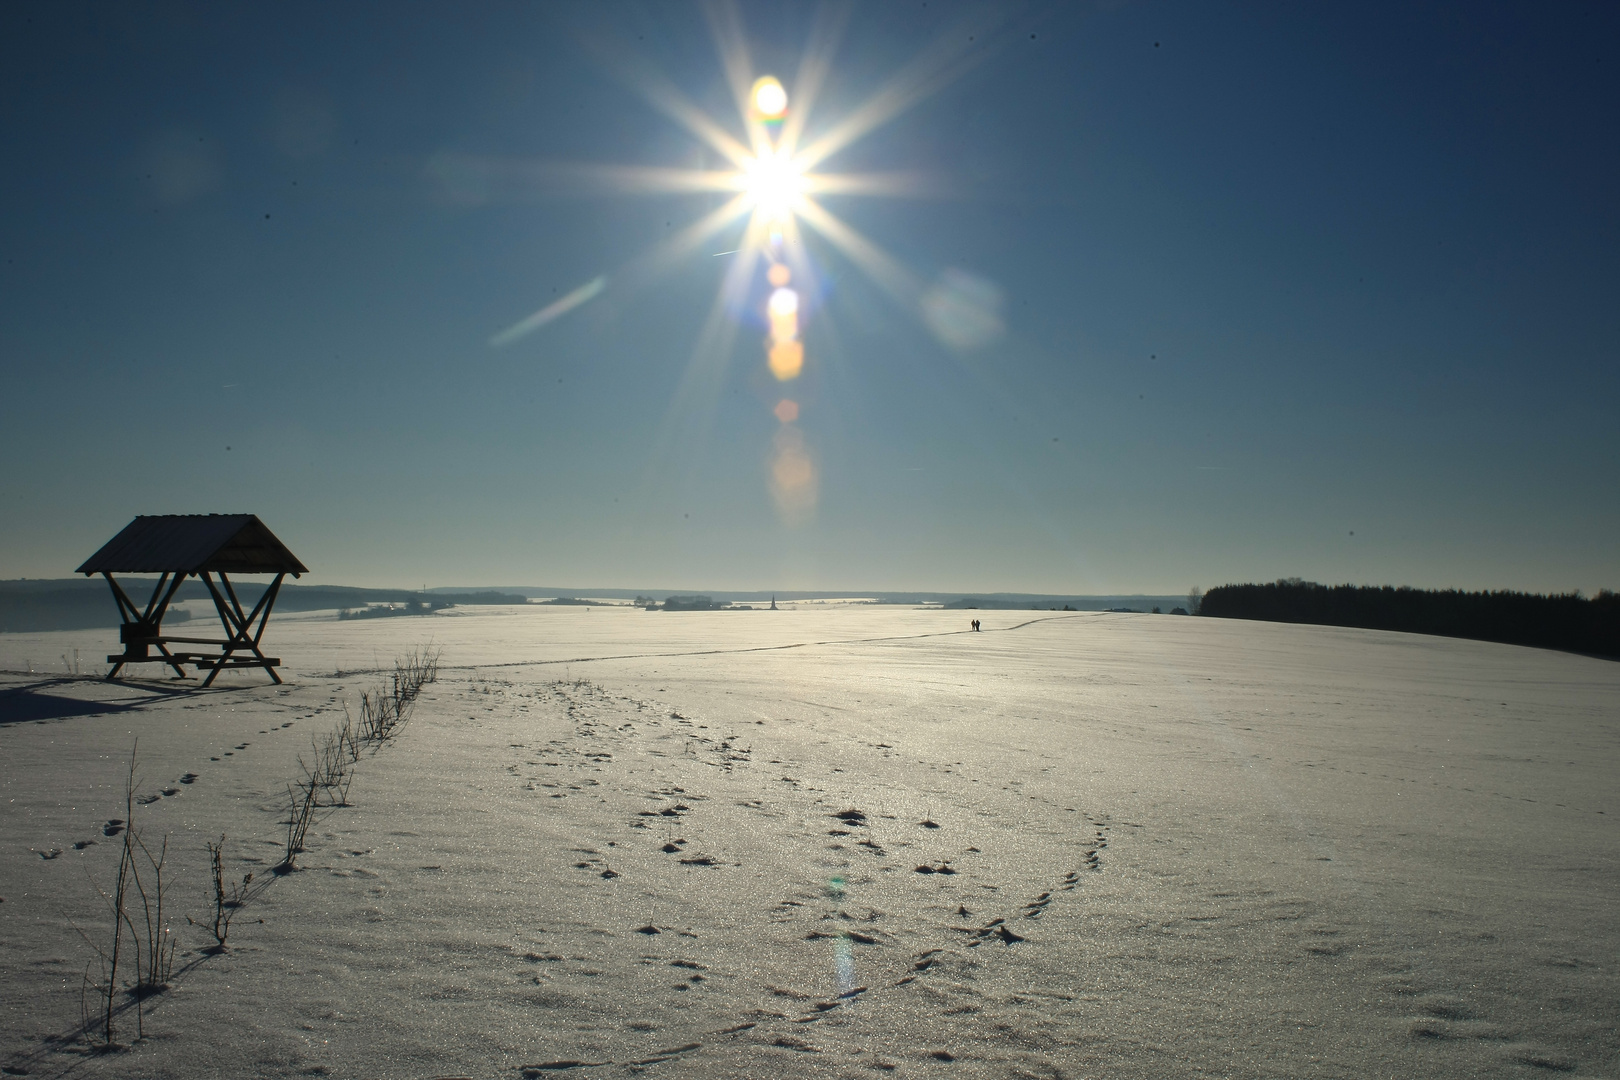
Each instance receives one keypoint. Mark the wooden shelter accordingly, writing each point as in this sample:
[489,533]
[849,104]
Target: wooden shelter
[178,546]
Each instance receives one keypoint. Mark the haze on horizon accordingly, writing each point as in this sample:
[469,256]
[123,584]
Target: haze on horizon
[1203,294]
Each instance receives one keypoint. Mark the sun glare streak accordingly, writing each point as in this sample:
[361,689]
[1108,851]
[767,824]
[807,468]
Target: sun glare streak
[645,266]
[773,177]
[698,123]
[642,179]
[686,240]
[895,279]
[940,65]
[907,184]
[592,178]
[555,310]
[686,422]
[793,255]
[725,23]
[814,67]
[665,97]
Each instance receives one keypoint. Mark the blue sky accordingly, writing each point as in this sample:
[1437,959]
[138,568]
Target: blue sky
[1318,290]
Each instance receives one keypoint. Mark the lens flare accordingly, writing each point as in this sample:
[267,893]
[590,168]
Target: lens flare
[963,310]
[783,310]
[844,964]
[774,183]
[584,294]
[793,472]
[793,475]
[784,302]
[768,98]
[786,359]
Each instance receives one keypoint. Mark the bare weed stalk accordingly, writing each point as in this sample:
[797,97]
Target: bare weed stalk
[228,900]
[349,736]
[300,809]
[329,769]
[152,942]
[155,938]
[387,707]
[104,990]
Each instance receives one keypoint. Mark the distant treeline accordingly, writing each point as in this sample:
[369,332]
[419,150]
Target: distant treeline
[1570,621]
[65,609]
[654,598]
[384,611]
[972,603]
[87,603]
[694,603]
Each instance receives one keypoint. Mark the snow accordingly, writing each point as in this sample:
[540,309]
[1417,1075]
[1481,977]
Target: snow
[1227,848]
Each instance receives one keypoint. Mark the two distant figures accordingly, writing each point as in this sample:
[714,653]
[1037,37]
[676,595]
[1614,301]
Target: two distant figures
[975,625]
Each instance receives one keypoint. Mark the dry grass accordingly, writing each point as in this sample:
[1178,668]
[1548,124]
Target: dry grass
[330,770]
[137,906]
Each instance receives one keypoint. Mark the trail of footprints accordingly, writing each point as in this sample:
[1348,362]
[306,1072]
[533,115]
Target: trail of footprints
[113,827]
[584,705]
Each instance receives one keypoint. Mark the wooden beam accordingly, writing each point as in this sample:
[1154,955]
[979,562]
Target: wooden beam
[226,616]
[163,608]
[127,611]
[235,603]
[151,602]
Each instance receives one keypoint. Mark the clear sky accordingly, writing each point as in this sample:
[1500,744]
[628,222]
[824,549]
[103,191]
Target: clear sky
[1127,297]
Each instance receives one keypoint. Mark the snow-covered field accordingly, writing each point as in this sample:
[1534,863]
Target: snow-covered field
[1175,847]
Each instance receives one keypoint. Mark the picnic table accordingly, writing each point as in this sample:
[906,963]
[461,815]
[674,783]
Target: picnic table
[205,546]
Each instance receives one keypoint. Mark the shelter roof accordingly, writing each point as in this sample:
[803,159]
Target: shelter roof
[192,543]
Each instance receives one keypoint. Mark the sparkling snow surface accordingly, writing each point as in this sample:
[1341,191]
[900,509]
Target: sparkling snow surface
[1176,847]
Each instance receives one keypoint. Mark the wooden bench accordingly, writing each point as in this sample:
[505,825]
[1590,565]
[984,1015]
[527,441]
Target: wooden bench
[138,640]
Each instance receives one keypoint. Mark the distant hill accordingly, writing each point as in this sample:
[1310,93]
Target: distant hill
[87,603]
[986,601]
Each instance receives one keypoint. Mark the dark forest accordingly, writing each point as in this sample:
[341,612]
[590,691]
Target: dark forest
[1567,621]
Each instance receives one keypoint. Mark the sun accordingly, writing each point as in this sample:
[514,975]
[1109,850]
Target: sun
[775,183]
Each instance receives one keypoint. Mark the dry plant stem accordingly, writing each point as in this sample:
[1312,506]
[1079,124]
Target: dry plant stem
[330,769]
[349,736]
[338,786]
[107,991]
[300,808]
[226,901]
[379,715]
[153,941]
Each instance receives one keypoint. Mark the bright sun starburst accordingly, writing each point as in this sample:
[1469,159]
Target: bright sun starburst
[774,183]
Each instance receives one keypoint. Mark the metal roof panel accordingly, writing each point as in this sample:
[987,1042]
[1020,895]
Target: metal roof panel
[192,543]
